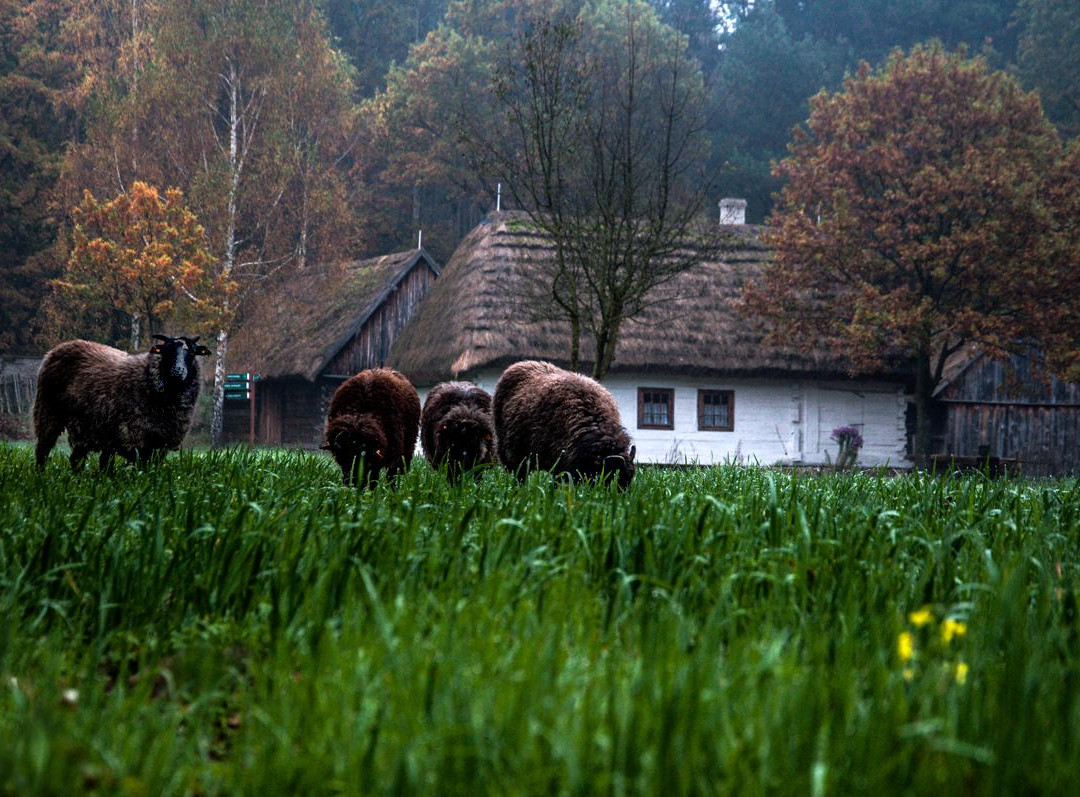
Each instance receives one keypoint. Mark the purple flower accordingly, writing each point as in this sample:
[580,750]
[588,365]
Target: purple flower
[848,437]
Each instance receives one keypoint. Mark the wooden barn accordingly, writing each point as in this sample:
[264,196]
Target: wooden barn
[692,378]
[305,333]
[1010,412]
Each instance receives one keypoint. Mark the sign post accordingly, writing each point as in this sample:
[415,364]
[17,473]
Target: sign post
[241,387]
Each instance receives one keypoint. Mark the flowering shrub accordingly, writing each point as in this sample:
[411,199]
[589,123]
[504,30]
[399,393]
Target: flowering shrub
[850,441]
[848,437]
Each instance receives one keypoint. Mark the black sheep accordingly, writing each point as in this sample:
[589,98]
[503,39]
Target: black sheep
[135,405]
[371,425]
[557,420]
[456,428]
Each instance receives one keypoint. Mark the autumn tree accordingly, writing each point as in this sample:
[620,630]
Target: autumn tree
[412,157]
[246,106]
[915,219]
[140,258]
[55,58]
[602,143]
[1059,330]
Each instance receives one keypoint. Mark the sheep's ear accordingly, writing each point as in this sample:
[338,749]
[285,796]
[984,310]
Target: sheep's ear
[202,351]
[155,349]
[326,447]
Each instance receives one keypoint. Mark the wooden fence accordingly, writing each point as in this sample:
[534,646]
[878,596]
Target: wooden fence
[16,394]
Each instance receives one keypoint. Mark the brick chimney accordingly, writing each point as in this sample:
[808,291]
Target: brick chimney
[733,211]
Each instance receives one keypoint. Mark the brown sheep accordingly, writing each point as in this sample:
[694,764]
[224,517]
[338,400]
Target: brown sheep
[557,420]
[371,425]
[456,428]
[135,405]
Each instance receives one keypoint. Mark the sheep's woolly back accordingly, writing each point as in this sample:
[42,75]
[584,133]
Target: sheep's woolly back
[111,401]
[556,420]
[375,403]
[456,426]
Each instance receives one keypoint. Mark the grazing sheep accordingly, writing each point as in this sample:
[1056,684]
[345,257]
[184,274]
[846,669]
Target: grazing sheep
[456,428]
[560,421]
[136,405]
[372,424]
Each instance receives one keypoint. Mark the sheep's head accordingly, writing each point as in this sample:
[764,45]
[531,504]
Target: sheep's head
[465,437]
[358,445]
[602,453]
[176,366]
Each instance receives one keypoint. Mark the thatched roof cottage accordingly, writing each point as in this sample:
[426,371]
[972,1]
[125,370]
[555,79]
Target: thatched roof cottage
[693,380]
[304,333]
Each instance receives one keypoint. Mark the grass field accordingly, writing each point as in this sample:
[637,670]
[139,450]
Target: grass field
[238,622]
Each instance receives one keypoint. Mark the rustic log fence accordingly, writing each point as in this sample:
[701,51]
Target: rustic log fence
[16,394]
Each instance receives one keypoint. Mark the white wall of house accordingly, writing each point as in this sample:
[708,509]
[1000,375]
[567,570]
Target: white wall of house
[776,420]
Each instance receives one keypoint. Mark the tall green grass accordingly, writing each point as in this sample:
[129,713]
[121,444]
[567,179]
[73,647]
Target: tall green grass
[237,622]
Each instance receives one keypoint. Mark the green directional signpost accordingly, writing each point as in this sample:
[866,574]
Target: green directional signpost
[241,387]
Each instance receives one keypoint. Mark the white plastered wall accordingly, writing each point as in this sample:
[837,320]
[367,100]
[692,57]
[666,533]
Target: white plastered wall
[777,421]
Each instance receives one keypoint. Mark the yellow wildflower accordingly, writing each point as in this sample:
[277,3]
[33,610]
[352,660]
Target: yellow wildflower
[921,617]
[960,672]
[905,646]
[952,628]
[908,673]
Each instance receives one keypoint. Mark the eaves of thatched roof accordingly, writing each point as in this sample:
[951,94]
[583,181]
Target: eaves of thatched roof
[473,318]
[294,325]
[956,365]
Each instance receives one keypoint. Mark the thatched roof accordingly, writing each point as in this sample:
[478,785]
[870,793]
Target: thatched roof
[473,318]
[294,325]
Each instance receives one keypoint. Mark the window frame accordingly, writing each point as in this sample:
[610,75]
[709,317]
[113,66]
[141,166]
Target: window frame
[670,393]
[701,425]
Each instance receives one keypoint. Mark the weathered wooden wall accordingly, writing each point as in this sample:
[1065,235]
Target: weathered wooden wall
[371,345]
[1012,411]
[1043,439]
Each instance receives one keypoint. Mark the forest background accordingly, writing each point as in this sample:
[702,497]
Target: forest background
[307,132]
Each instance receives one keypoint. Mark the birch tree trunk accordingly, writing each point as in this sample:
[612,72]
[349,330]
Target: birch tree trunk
[236,165]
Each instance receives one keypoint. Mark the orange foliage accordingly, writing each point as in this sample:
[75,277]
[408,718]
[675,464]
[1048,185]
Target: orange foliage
[142,255]
[918,216]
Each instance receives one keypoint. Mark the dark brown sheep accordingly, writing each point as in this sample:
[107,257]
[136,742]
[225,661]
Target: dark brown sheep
[456,428]
[557,420]
[372,424]
[136,405]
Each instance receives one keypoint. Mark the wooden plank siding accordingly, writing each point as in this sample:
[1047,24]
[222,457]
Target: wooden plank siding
[371,345]
[1012,411]
[1043,440]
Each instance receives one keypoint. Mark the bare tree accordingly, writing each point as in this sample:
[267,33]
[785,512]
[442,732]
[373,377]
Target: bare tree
[601,141]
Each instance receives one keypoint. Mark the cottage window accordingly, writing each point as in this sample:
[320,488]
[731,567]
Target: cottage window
[656,408]
[716,410]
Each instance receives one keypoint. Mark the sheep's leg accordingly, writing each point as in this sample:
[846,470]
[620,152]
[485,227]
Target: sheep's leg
[105,460]
[150,456]
[47,435]
[78,456]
